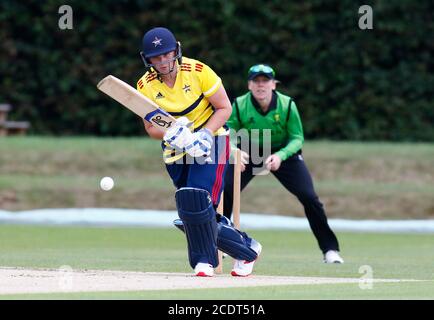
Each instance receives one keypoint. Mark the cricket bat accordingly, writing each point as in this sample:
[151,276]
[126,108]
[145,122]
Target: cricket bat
[130,98]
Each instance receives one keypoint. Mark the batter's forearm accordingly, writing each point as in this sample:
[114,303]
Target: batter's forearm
[153,132]
[223,110]
[218,119]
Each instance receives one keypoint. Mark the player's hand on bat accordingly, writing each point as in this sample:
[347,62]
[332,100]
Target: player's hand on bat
[244,160]
[201,143]
[179,135]
[273,162]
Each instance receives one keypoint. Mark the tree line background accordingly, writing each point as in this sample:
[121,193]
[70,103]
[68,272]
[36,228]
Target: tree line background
[348,83]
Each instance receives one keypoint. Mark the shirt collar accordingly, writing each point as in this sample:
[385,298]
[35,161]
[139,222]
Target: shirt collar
[271,106]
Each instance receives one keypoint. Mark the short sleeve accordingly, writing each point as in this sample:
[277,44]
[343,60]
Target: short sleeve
[142,86]
[209,80]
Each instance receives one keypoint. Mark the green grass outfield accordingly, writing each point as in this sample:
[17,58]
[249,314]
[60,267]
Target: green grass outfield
[355,180]
[391,256]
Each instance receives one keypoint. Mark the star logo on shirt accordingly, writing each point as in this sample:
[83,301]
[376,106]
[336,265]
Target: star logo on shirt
[157,42]
[186,88]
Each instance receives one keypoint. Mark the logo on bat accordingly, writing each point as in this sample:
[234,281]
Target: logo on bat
[161,122]
[158,119]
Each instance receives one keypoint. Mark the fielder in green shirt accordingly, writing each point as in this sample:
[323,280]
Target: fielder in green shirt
[264,112]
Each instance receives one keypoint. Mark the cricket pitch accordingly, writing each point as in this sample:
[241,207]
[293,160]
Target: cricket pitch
[22,281]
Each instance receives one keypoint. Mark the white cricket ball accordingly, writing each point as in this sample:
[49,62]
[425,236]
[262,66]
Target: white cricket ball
[106,183]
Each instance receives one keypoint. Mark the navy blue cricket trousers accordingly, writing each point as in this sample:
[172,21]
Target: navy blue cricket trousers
[209,176]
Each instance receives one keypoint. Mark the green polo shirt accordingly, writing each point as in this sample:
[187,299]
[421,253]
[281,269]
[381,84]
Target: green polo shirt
[282,118]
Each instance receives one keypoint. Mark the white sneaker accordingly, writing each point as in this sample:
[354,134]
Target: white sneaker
[332,256]
[243,268]
[204,270]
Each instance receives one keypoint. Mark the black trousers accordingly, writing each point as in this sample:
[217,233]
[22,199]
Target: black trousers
[295,177]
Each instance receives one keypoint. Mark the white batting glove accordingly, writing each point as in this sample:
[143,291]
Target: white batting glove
[201,144]
[179,135]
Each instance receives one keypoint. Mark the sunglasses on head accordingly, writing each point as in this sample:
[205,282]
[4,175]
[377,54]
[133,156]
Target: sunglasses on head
[261,68]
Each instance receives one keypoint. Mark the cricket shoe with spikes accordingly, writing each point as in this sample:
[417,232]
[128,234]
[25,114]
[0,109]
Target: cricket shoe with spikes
[244,268]
[204,270]
[332,256]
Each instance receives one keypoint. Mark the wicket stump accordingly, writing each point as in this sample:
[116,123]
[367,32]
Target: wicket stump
[236,202]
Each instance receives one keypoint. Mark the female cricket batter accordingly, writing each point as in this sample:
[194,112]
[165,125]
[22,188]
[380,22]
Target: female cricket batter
[195,150]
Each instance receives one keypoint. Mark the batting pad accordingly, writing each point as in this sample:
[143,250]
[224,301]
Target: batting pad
[198,217]
[229,240]
[235,243]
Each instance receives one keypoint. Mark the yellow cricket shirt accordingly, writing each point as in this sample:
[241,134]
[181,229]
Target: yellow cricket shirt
[195,82]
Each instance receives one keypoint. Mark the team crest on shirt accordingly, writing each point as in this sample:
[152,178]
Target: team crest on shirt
[186,88]
[276,117]
[157,42]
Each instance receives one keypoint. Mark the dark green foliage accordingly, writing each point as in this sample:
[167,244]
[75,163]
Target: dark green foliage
[348,83]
